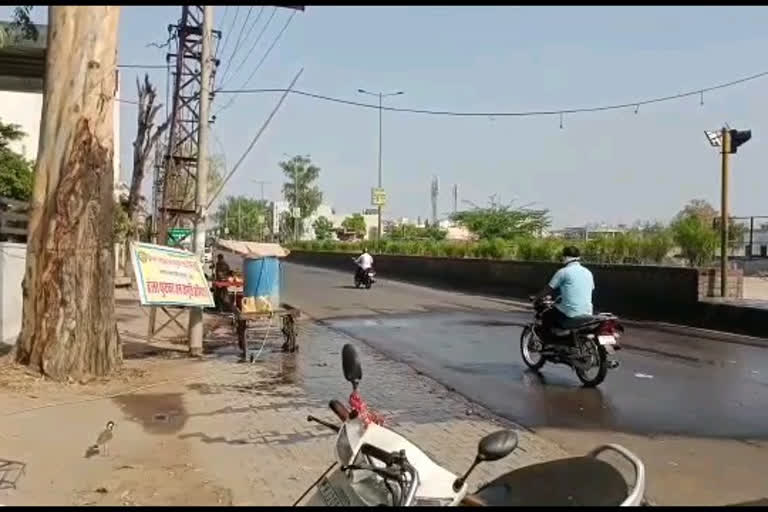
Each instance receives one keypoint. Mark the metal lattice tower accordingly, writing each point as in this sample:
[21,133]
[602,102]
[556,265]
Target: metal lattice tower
[175,182]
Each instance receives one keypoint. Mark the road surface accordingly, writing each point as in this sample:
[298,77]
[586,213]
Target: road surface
[693,407]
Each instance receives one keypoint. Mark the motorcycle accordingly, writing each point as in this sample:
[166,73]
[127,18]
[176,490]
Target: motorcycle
[376,466]
[585,343]
[364,277]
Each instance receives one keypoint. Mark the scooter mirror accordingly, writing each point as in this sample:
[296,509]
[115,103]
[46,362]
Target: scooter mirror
[492,447]
[497,445]
[350,362]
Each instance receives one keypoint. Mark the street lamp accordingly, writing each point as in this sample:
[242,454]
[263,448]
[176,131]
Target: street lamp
[729,140]
[381,96]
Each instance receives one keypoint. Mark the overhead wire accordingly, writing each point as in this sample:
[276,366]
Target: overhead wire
[239,37]
[263,58]
[528,113]
[231,26]
[256,41]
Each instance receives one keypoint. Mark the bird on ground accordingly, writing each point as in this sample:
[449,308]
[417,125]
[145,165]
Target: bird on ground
[102,442]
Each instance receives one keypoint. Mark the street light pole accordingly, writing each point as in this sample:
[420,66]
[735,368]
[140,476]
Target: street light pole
[381,96]
[378,223]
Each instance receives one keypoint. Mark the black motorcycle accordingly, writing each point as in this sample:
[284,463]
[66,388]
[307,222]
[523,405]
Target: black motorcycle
[585,343]
[364,277]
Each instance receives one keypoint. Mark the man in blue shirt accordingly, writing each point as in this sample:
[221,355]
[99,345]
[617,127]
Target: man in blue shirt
[575,284]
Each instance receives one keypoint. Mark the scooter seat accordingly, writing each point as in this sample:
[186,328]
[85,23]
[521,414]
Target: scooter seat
[576,481]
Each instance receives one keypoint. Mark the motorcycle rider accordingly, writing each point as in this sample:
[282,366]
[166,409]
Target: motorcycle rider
[364,262]
[575,285]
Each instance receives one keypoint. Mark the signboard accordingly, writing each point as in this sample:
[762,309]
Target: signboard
[169,277]
[296,212]
[177,235]
[371,211]
[378,197]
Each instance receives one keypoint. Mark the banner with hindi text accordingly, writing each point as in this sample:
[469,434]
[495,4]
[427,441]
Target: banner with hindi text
[169,277]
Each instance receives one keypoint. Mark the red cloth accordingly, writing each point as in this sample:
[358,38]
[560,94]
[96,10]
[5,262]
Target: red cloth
[367,416]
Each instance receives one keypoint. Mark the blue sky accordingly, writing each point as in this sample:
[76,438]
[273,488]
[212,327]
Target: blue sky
[614,166]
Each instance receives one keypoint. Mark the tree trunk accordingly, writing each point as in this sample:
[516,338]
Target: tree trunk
[69,327]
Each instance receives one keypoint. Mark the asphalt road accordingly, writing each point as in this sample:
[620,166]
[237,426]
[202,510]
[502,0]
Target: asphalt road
[692,404]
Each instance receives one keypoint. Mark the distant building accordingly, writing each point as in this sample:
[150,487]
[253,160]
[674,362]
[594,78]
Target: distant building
[588,232]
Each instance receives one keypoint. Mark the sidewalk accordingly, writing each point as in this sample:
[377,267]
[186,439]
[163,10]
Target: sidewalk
[215,432]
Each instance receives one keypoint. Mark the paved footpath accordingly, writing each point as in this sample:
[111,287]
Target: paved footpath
[215,432]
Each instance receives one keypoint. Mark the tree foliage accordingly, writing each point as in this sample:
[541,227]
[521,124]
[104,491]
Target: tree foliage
[241,217]
[302,174]
[693,232]
[355,224]
[323,228]
[21,27]
[16,172]
[500,221]
[411,232]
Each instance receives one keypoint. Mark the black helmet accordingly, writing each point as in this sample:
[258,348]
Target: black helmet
[571,252]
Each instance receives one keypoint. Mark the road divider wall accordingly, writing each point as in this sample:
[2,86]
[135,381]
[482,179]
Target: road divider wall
[642,292]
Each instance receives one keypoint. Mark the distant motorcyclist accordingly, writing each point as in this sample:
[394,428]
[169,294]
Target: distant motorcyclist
[574,283]
[364,262]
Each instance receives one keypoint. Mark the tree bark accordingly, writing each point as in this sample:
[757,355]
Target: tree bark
[146,140]
[69,328]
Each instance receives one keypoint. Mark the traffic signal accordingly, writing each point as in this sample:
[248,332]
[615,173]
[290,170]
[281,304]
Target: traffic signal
[739,137]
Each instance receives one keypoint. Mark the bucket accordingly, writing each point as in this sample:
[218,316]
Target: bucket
[262,282]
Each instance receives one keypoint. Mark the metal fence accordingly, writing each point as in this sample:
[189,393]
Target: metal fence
[748,237]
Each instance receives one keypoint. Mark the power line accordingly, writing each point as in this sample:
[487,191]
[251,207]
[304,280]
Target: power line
[231,26]
[142,66]
[239,37]
[529,113]
[263,58]
[256,41]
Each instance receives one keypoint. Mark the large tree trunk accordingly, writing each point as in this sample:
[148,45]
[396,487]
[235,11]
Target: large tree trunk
[69,327]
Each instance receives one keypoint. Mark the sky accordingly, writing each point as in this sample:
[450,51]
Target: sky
[612,166]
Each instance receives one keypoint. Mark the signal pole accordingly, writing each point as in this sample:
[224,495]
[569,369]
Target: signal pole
[726,141]
[201,181]
[729,141]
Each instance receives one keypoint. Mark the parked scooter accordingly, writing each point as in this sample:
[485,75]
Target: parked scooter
[364,277]
[587,344]
[377,466]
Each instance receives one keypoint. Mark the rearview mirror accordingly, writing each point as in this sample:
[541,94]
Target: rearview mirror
[350,362]
[497,445]
[492,447]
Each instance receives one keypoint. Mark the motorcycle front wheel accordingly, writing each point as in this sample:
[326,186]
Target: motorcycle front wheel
[597,368]
[527,339]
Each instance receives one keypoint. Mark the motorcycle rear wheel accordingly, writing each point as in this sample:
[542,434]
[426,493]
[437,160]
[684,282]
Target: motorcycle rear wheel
[526,337]
[599,353]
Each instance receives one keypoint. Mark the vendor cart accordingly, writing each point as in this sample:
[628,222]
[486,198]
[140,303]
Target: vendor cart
[256,305]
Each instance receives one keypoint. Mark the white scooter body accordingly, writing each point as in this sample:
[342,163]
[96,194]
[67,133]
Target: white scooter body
[435,483]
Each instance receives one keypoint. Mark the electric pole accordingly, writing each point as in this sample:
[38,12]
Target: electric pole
[201,181]
[726,138]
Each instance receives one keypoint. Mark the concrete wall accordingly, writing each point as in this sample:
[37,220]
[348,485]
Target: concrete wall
[630,289]
[662,294]
[12,260]
[709,283]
